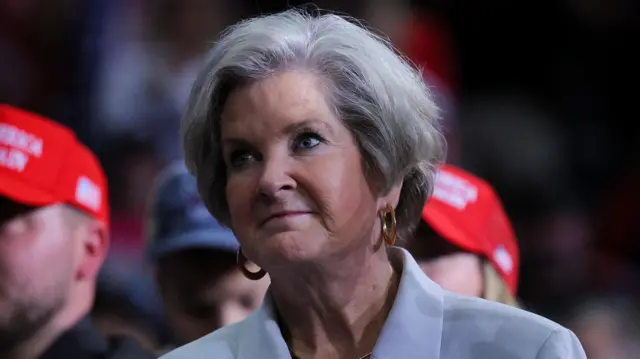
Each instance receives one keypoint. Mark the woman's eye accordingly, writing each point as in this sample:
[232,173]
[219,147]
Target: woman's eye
[239,159]
[307,141]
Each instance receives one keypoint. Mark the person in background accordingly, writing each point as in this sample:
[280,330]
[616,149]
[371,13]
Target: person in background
[53,239]
[608,326]
[318,145]
[195,261]
[115,313]
[151,52]
[465,241]
[420,31]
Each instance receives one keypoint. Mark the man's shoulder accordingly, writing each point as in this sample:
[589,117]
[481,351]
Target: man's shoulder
[84,340]
[495,329]
[221,344]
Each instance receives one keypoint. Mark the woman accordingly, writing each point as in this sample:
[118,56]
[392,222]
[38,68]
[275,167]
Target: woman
[317,145]
[465,241]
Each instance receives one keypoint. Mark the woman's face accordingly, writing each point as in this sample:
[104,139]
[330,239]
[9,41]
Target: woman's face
[295,186]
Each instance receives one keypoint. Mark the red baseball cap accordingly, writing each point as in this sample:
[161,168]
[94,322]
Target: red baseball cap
[466,211]
[42,163]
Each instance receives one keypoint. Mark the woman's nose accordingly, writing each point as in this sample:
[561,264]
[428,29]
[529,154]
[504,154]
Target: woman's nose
[276,177]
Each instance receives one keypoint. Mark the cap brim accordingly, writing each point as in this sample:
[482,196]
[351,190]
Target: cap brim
[444,227]
[206,239]
[17,191]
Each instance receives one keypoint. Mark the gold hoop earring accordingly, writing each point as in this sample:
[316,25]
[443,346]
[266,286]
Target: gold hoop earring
[388,221]
[241,260]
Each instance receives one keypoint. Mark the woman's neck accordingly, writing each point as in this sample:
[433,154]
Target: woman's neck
[336,310]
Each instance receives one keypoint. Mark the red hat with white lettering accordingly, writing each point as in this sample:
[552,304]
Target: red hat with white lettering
[43,163]
[466,211]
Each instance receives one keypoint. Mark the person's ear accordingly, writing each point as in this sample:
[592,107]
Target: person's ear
[392,197]
[94,244]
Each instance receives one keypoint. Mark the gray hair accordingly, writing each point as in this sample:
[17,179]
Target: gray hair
[378,95]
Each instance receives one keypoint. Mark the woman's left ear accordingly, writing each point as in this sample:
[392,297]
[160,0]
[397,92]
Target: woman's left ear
[392,198]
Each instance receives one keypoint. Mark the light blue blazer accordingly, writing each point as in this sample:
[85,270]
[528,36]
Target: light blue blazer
[425,322]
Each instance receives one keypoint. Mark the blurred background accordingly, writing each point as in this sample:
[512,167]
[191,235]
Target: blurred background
[539,98]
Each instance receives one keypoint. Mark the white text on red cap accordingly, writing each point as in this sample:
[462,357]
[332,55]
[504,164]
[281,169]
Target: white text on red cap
[20,139]
[88,193]
[454,191]
[20,146]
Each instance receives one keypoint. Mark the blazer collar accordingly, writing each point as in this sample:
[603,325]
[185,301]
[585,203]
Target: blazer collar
[414,325]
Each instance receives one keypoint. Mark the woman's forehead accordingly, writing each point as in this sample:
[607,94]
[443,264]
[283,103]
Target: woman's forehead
[284,94]
[275,106]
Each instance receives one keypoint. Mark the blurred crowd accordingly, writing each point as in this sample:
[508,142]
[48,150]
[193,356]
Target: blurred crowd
[537,99]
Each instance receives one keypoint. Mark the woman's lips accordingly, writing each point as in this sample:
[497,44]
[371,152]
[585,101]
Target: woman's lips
[284,216]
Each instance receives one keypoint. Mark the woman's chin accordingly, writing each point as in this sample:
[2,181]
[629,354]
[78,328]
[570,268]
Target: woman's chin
[291,247]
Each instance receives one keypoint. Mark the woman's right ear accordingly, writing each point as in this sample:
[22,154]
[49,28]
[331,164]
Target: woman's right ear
[392,198]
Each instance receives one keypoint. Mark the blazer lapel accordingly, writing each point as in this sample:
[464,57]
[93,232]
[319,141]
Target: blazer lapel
[414,326]
[263,338]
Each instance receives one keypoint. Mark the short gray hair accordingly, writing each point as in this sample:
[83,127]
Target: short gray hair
[377,94]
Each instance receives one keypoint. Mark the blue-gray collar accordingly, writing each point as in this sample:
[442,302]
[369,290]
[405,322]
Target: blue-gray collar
[414,325]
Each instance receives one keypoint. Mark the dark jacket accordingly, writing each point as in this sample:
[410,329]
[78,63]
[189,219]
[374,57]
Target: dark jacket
[83,341]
